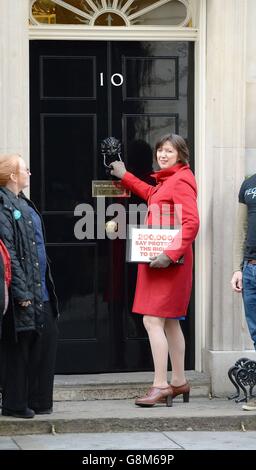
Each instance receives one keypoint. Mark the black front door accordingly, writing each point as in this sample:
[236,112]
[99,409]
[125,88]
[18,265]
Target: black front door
[82,92]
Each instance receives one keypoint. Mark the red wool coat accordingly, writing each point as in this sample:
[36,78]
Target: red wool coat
[165,292]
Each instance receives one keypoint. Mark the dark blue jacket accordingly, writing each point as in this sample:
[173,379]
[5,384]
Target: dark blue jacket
[17,233]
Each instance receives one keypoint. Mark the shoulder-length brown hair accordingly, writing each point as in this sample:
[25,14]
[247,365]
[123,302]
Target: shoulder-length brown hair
[178,143]
[8,164]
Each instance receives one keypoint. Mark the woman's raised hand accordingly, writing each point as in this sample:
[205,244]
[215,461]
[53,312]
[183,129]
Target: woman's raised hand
[118,169]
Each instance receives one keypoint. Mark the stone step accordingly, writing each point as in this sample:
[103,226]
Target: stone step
[117,386]
[200,414]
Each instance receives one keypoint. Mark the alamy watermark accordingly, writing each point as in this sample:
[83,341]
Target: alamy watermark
[113,222]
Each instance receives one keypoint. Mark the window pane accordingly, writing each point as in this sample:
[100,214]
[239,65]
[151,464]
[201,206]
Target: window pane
[46,11]
[171,14]
[91,12]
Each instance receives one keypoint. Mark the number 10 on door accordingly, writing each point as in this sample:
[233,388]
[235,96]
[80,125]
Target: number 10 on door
[117,79]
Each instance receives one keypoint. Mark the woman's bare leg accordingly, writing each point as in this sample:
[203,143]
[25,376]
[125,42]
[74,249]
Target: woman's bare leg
[176,345]
[159,348]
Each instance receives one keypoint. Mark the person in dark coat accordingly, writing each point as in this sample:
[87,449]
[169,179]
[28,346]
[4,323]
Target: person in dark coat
[164,285]
[29,329]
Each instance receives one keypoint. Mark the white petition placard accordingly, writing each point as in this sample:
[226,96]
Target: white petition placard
[144,243]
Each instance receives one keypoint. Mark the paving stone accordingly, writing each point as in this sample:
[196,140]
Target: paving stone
[7,443]
[214,440]
[97,441]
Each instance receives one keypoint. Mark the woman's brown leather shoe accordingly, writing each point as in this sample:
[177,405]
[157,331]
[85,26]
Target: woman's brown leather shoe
[156,395]
[181,390]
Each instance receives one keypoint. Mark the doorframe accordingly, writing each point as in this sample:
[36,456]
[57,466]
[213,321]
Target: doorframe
[113,33]
[164,33]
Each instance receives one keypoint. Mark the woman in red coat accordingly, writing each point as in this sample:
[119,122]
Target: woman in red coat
[164,286]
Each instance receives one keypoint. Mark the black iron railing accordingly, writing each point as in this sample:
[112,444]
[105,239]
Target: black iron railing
[243,377]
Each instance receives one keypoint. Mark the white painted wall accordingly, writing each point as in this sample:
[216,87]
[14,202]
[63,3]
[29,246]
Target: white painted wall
[14,77]
[250,136]
[229,128]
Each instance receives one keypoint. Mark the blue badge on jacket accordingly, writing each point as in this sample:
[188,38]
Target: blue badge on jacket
[16,214]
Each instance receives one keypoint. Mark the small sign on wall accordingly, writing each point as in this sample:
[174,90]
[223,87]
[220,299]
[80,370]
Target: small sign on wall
[109,188]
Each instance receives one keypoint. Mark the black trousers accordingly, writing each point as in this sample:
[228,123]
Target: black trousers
[28,367]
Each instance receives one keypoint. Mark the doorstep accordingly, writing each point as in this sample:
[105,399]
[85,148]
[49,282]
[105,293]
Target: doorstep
[117,386]
[200,414]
